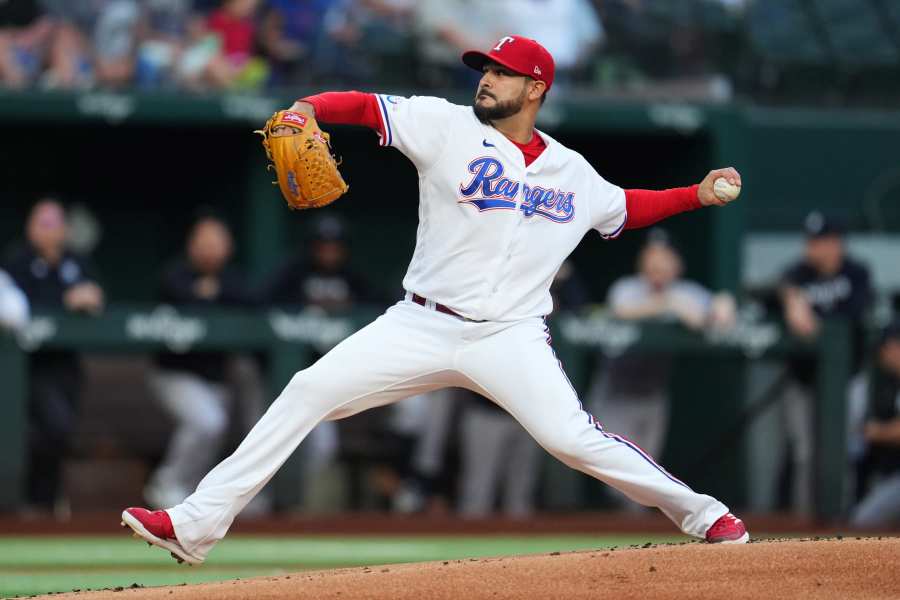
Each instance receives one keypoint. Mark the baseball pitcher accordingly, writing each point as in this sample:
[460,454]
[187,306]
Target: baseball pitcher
[501,205]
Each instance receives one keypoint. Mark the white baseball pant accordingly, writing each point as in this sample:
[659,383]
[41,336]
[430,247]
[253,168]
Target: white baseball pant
[411,350]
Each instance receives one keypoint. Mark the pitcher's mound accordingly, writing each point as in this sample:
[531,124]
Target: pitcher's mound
[820,569]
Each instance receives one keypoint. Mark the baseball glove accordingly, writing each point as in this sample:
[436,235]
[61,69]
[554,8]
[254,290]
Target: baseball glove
[302,157]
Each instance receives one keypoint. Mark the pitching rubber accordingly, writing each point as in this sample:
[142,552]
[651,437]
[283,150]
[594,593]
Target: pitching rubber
[178,553]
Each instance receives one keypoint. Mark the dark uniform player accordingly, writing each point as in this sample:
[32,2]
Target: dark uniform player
[322,277]
[191,386]
[825,283]
[881,431]
[53,278]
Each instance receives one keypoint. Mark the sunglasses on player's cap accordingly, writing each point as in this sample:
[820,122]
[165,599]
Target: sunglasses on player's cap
[518,54]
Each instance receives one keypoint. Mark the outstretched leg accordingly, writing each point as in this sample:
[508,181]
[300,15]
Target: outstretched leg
[516,367]
[368,369]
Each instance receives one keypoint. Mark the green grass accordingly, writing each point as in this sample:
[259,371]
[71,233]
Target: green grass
[34,565]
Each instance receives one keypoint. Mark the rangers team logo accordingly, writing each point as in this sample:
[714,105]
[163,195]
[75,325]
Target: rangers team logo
[490,190]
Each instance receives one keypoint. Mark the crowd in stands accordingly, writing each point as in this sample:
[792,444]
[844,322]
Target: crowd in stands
[829,51]
[410,446]
[256,44]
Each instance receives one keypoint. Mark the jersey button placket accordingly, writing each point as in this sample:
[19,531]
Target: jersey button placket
[507,254]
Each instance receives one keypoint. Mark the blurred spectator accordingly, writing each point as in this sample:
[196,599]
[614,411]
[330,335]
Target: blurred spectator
[191,386]
[881,432]
[629,395]
[666,40]
[323,279]
[289,32]
[242,44]
[52,278]
[25,36]
[236,65]
[447,28]
[825,283]
[13,304]
[569,29]
[95,43]
[172,43]
[359,35]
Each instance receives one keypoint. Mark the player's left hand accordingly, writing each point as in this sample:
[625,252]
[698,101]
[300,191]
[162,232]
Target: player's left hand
[707,194]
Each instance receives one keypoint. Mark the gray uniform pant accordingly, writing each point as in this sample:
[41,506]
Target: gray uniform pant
[200,411]
[498,456]
[881,506]
[642,418]
[797,405]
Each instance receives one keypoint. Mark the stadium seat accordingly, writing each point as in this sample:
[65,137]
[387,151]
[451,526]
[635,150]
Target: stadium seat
[781,32]
[856,33]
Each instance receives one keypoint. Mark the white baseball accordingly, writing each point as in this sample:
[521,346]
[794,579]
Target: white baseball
[725,191]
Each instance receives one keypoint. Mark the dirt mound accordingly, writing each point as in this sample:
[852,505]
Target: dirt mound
[821,569]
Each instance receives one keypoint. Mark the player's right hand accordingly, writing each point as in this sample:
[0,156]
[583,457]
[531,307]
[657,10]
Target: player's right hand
[707,194]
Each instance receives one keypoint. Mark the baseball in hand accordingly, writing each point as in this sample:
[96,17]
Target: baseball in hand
[725,191]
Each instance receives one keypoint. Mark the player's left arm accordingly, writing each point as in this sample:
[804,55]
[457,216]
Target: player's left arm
[647,207]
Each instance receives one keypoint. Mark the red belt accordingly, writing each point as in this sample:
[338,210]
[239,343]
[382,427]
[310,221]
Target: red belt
[438,307]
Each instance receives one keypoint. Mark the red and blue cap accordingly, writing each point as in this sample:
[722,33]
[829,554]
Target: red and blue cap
[518,54]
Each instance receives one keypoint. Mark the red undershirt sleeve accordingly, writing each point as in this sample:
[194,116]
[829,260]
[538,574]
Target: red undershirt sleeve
[347,108]
[646,207]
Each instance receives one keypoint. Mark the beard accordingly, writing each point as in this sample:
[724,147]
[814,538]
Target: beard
[500,110]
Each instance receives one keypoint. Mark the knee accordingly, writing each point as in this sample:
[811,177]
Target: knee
[300,386]
[568,449]
[309,388]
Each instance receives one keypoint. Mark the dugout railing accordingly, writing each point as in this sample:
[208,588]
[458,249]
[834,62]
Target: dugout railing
[290,340]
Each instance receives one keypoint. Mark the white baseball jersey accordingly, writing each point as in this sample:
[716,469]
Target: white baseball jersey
[493,232]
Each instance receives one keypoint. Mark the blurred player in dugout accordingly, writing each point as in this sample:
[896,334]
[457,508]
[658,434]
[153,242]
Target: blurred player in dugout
[14,307]
[319,277]
[53,278]
[193,387]
[878,392]
[631,390]
[824,283]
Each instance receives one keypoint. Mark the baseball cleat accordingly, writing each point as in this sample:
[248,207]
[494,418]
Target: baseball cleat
[728,529]
[156,529]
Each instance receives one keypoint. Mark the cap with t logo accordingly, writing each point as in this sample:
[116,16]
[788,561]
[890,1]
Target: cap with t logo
[518,54]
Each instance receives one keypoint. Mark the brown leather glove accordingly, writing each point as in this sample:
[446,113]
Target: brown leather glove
[303,160]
